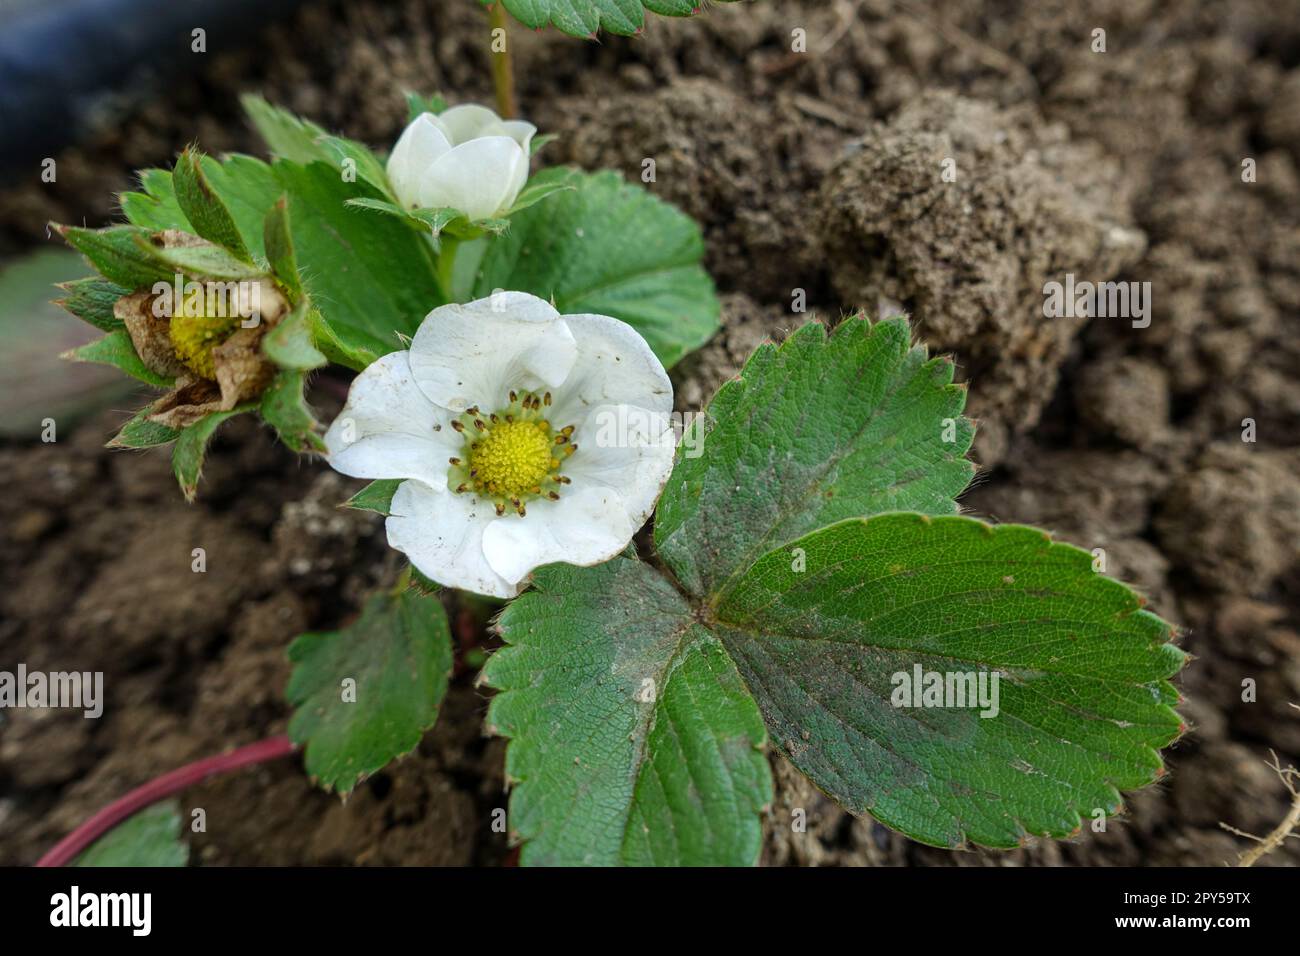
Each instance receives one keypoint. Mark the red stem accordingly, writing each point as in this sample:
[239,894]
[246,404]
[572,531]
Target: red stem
[71,845]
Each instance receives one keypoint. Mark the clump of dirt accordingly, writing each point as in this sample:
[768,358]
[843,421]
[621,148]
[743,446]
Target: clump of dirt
[1171,158]
[960,213]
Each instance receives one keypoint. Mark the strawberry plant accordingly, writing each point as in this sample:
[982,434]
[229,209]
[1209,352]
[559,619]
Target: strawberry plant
[808,584]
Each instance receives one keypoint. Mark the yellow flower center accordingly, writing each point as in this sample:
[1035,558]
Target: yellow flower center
[512,455]
[513,459]
[194,334]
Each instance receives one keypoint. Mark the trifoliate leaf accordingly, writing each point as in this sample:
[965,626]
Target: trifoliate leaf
[833,630]
[821,429]
[92,300]
[582,18]
[204,209]
[367,693]
[611,248]
[633,739]
[116,349]
[192,447]
[139,432]
[151,837]
[376,496]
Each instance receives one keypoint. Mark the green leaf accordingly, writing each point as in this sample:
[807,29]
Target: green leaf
[92,300]
[139,432]
[633,739]
[192,447]
[366,694]
[610,248]
[376,496]
[151,837]
[289,343]
[285,134]
[583,18]
[278,242]
[821,429]
[118,255]
[204,208]
[285,409]
[371,278]
[417,103]
[116,349]
[822,627]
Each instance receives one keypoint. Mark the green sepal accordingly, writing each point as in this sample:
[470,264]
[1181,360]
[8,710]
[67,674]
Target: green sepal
[289,343]
[284,407]
[416,104]
[139,432]
[116,349]
[92,300]
[376,496]
[192,446]
[119,253]
[277,239]
[208,261]
[204,209]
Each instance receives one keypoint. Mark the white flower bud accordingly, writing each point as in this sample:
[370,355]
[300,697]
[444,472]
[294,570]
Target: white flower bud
[466,158]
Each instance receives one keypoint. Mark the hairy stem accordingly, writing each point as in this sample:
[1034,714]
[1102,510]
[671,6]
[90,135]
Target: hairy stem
[67,849]
[503,68]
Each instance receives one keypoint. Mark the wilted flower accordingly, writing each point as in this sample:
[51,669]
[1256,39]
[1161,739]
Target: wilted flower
[465,158]
[500,418]
[206,335]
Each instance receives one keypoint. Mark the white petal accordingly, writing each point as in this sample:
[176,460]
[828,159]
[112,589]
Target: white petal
[615,366]
[473,178]
[389,429]
[518,177]
[420,144]
[522,132]
[470,121]
[442,534]
[475,353]
[585,527]
[627,449]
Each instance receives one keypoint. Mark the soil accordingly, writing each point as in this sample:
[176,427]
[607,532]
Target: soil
[816,177]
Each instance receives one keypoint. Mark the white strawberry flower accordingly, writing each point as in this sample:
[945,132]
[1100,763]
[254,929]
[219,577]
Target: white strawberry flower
[465,158]
[525,438]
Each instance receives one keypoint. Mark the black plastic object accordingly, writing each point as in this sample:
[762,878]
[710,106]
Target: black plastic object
[69,68]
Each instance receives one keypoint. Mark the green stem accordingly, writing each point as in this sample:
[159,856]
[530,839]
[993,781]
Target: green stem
[445,270]
[503,69]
